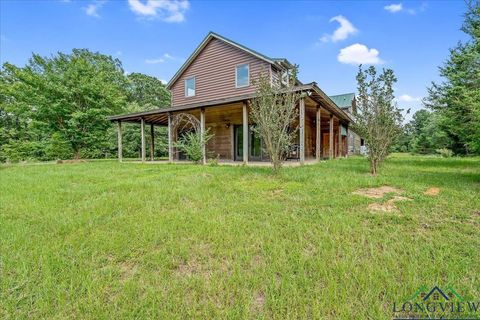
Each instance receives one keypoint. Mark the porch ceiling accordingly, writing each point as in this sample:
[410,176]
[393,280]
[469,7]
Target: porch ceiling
[315,96]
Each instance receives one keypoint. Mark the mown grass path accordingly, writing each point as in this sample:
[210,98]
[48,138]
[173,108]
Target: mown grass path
[104,240]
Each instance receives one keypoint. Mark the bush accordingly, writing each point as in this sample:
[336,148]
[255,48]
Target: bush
[191,144]
[444,152]
[20,150]
[58,148]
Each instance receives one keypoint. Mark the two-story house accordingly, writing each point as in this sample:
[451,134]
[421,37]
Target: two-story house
[216,85]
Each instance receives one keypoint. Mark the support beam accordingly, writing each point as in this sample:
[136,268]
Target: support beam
[202,135]
[348,141]
[152,142]
[142,134]
[318,143]
[302,130]
[245,133]
[119,141]
[170,142]
[340,145]
[330,138]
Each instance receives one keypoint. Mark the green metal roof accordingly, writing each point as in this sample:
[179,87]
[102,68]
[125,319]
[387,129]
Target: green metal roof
[343,100]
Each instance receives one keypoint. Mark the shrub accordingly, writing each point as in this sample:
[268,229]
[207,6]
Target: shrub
[20,150]
[444,152]
[191,144]
[58,148]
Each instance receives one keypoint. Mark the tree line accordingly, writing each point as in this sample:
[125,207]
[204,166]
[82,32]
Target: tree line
[450,124]
[56,107]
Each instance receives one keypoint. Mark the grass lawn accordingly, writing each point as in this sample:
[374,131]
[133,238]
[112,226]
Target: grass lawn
[110,241]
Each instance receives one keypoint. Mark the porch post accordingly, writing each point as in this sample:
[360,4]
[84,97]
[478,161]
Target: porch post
[152,142]
[170,143]
[142,128]
[340,146]
[330,136]
[202,133]
[119,140]
[245,133]
[302,130]
[318,145]
[348,141]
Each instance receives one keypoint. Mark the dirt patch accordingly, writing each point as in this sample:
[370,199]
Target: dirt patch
[382,207]
[257,262]
[127,270]
[387,206]
[432,192]
[276,193]
[71,161]
[191,268]
[377,193]
[258,302]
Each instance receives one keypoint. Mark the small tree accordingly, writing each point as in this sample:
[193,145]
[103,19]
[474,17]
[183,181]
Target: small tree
[192,141]
[378,120]
[274,112]
[192,144]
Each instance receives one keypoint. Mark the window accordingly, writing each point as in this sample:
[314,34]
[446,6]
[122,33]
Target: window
[190,87]
[242,76]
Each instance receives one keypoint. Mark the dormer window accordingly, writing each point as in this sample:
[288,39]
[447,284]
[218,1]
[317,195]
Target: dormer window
[190,87]
[242,76]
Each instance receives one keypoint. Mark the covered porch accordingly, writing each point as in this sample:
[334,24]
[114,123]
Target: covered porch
[322,130]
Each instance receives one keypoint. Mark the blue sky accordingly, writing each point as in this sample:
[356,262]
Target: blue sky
[326,38]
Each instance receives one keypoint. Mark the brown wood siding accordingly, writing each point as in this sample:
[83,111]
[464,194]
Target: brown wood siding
[310,133]
[214,71]
[220,121]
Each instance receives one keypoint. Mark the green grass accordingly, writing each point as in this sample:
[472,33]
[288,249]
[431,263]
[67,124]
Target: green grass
[104,240]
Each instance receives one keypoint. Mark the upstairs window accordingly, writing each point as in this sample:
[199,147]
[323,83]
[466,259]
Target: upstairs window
[190,87]
[242,75]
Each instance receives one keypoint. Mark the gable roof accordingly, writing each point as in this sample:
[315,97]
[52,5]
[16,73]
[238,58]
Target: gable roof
[280,62]
[343,100]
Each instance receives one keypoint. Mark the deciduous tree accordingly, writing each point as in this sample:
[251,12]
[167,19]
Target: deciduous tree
[274,112]
[378,120]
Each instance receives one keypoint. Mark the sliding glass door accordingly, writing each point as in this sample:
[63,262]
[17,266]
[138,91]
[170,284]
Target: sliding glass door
[254,143]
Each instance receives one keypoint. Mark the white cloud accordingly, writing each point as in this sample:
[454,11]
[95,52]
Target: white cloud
[161,59]
[163,81]
[359,54]
[393,8]
[154,61]
[345,29]
[408,98]
[166,10]
[398,7]
[92,8]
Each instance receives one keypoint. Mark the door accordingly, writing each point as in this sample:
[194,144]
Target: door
[238,136]
[254,144]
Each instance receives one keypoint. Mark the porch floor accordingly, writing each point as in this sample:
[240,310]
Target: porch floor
[288,163]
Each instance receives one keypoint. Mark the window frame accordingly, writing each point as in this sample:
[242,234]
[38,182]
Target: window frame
[248,75]
[194,86]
